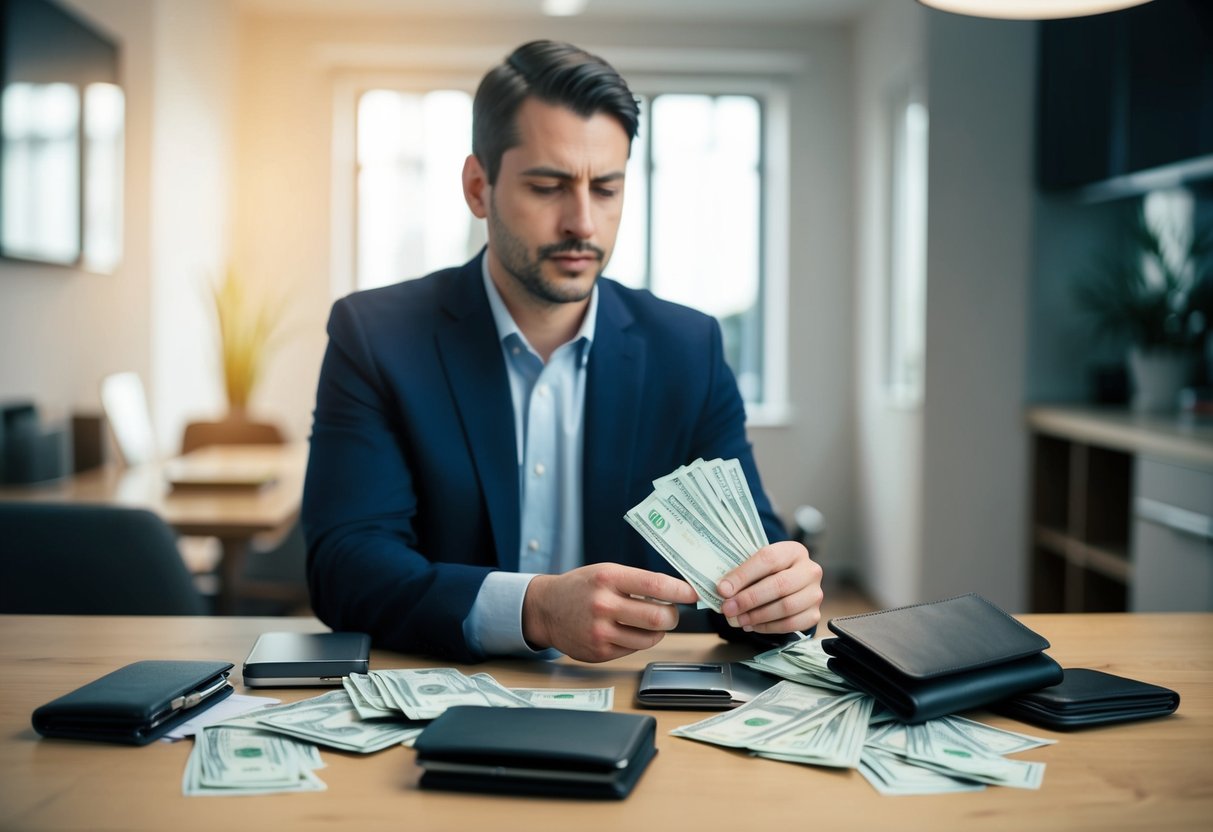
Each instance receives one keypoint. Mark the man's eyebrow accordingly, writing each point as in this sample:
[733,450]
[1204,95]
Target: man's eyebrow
[556,173]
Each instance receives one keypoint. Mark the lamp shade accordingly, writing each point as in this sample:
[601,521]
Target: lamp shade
[1030,9]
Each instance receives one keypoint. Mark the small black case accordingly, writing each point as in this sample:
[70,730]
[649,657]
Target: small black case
[1087,697]
[135,704]
[536,751]
[927,660]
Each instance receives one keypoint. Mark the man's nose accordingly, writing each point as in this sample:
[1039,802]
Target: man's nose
[578,215]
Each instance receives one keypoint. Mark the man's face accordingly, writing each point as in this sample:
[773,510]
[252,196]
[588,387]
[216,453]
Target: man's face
[554,213]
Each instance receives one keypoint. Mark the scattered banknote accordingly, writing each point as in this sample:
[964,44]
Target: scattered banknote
[573,699]
[702,519]
[231,760]
[767,715]
[331,720]
[801,720]
[941,747]
[801,661]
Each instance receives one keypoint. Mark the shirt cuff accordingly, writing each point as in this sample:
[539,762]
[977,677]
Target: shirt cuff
[494,626]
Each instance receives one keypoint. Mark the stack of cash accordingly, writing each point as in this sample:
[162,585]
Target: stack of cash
[701,518]
[801,723]
[330,720]
[425,693]
[230,760]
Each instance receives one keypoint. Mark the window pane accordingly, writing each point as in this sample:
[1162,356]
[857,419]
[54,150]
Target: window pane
[411,215]
[706,189]
[42,172]
[629,261]
[907,294]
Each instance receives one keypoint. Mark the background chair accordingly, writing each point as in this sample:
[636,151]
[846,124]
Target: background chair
[274,579]
[91,560]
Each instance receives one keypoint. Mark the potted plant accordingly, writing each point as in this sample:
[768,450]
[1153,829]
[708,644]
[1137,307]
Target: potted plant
[249,327]
[1155,290]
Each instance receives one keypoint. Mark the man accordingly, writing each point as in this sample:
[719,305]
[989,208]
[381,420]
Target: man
[479,433]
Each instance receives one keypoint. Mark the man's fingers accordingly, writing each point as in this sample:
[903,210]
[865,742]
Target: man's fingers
[782,609]
[766,561]
[631,581]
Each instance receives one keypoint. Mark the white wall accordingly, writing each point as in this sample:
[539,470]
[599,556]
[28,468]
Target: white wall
[890,47]
[192,110]
[62,329]
[289,69]
[979,261]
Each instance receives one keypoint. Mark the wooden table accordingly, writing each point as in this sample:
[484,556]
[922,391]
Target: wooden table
[233,515]
[1150,775]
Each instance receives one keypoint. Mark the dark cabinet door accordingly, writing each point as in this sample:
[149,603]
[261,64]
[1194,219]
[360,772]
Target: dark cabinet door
[1124,92]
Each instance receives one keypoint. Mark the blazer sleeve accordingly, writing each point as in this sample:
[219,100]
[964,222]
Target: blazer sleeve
[366,571]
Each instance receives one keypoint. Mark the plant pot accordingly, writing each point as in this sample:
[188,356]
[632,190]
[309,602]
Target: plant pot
[1157,376]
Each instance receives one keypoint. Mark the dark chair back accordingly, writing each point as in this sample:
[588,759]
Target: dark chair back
[91,560]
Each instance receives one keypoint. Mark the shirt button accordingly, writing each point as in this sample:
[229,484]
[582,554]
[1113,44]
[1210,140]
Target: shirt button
[539,469]
[533,545]
[542,390]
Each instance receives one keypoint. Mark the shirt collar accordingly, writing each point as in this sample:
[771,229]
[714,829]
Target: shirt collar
[506,326]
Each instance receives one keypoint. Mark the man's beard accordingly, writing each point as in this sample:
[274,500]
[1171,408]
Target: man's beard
[528,271]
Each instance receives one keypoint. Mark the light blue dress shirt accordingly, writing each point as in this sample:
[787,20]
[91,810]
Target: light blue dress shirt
[549,405]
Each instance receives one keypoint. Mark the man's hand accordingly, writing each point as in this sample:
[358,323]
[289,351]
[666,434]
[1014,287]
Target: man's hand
[777,590]
[595,614]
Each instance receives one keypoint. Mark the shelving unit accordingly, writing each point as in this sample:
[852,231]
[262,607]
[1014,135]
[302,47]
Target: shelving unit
[1080,539]
[1085,473]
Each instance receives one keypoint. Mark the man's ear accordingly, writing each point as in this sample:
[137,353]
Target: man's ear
[475,187]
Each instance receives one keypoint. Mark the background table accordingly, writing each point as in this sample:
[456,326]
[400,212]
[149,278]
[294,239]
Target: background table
[233,515]
[1142,776]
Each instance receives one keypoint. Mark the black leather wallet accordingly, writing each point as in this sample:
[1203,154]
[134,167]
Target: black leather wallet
[537,751]
[1090,697]
[137,703]
[928,660]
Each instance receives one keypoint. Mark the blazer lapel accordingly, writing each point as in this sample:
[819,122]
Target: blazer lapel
[475,370]
[614,380]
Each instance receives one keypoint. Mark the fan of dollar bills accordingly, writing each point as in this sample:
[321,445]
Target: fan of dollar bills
[701,518]
[274,749]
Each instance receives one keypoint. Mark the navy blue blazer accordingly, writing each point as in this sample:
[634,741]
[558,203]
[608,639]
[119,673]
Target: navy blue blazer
[412,492]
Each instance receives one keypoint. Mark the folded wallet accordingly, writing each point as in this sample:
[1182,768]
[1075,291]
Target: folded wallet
[1090,697]
[928,660]
[536,751]
[137,703]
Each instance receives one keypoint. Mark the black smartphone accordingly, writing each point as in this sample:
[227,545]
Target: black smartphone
[306,659]
[699,685]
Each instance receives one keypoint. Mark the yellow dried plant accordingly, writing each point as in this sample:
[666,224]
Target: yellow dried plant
[248,323]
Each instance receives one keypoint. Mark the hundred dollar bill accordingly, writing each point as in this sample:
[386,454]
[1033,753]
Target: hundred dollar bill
[573,699]
[801,661]
[891,775]
[936,746]
[766,715]
[331,719]
[690,555]
[228,760]
[830,734]
[425,693]
[367,699]
[678,484]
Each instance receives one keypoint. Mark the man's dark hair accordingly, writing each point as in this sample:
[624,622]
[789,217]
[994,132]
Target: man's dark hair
[555,73]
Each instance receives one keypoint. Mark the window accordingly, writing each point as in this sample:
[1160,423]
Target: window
[693,225]
[906,295]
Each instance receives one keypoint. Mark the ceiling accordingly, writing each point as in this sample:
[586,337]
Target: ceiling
[721,10]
